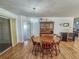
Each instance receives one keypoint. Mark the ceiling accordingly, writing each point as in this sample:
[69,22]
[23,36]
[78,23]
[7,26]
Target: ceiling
[44,8]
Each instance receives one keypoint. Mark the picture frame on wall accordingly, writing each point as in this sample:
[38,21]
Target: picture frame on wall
[66,24]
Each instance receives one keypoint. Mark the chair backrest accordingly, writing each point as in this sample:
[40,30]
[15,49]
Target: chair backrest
[32,38]
[70,35]
[46,45]
[34,42]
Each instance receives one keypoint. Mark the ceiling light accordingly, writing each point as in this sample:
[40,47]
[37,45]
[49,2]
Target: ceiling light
[34,8]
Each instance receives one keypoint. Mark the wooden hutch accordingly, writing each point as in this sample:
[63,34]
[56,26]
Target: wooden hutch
[46,28]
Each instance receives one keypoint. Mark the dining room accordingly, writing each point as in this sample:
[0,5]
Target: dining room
[39,29]
[44,38]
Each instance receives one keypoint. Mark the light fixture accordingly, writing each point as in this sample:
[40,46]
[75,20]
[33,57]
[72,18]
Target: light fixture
[34,8]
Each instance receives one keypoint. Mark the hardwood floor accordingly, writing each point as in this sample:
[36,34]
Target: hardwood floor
[69,50]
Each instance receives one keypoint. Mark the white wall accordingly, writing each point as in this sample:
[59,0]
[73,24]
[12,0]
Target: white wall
[35,26]
[18,29]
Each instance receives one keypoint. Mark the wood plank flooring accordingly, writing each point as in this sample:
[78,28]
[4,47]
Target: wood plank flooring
[69,50]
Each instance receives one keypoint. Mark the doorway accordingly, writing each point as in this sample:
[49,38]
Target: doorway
[5,34]
[26,31]
[76,27]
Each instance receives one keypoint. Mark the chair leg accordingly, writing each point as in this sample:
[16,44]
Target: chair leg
[32,50]
[56,50]
[51,52]
[35,52]
[42,52]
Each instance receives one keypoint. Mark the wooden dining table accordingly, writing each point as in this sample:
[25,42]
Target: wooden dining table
[48,39]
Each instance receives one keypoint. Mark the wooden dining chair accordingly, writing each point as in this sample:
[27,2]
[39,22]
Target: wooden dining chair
[58,43]
[55,46]
[36,46]
[46,48]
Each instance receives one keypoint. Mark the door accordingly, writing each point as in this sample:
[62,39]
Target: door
[76,27]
